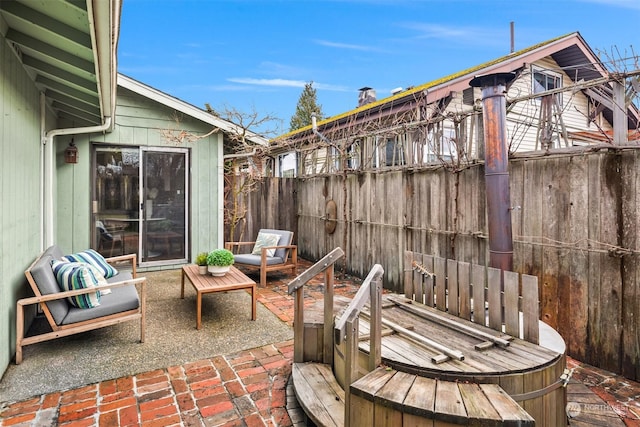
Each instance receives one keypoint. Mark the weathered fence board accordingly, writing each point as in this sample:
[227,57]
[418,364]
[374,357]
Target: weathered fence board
[575,226]
[578,231]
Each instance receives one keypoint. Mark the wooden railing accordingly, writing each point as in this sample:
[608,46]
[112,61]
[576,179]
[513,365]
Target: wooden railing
[347,329]
[325,265]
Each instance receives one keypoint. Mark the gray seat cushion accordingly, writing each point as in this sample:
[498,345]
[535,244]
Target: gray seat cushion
[120,299]
[255,259]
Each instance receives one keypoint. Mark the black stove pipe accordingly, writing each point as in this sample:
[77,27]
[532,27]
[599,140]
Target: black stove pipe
[496,161]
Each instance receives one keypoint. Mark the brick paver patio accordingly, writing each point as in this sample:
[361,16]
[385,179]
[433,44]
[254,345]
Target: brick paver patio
[247,388]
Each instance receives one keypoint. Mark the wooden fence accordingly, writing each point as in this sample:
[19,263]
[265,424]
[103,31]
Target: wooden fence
[575,220]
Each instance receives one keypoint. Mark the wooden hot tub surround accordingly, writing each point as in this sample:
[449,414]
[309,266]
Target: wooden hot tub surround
[472,355]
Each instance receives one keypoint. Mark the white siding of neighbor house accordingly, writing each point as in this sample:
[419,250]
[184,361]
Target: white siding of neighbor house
[523,118]
[574,109]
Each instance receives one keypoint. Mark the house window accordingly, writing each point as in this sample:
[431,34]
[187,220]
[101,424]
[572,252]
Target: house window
[287,165]
[353,155]
[467,96]
[394,153]
[544,80]
[440,146]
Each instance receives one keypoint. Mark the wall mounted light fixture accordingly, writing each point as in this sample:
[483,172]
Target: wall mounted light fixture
[71,153]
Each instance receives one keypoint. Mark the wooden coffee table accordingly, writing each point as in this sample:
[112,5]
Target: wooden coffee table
[206,283]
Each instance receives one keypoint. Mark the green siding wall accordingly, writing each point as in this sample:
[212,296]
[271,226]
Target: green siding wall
[139,121]
[19,190]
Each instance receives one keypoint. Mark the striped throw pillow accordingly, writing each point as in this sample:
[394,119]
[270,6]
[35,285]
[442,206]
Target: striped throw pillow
[77,275]
[92,257]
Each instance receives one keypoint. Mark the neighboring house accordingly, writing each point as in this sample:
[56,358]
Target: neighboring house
[553,102]
[139,185]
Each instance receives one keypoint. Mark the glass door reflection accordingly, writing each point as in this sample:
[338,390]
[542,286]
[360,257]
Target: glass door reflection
[164,209]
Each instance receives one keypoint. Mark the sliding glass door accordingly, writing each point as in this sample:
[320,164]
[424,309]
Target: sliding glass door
[164,205]
[140,203]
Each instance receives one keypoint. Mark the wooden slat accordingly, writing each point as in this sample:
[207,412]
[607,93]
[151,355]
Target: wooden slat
[420,399]
[478,407]
[427,262]
[509,410]
[375,323]
[452,287]
[449,405]
[453,353]
[388,400]
[350,357]
[327,351]
[511,300]
[494,298]
[630,339]
[360,412]
[578,231]
[530,308]
[596,262]
[408,274]
[533,381]
[298,326]
[319,393]
[369,385]
[418,280]
[554,202]
[464,289]
[358,301]
[428,314]
[439,269]
[478,292]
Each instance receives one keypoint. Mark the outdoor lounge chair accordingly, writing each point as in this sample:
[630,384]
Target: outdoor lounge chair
[282,255]
[123,304]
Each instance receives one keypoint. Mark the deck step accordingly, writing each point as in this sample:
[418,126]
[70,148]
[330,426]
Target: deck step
[386,395]
[318,393]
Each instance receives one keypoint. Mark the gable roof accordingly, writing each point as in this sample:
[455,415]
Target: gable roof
[569,51]
[68,48]
[186,108]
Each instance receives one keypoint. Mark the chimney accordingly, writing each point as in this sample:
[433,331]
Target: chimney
[366,96]
[513,37]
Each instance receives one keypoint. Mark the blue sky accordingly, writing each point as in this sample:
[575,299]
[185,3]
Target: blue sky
[257,55]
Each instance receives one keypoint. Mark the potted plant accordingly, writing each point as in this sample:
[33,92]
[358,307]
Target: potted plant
[219,261]
[201,262]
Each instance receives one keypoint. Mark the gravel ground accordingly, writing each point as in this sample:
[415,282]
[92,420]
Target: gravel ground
[171,339]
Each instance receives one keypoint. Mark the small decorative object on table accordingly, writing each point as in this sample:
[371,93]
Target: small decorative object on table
[219,261]
[201,262]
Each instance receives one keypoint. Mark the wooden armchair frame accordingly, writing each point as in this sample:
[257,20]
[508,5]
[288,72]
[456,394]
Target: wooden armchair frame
[77,327]
[290,260]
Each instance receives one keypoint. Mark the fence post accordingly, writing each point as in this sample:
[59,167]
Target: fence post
[351,361]
[298,326]
[327,351]
[375,323]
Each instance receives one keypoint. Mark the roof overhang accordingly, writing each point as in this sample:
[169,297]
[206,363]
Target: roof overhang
[568,51]
[68,48]
[188,109]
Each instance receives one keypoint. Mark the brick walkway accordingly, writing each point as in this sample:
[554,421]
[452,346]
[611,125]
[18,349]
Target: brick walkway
[247,388]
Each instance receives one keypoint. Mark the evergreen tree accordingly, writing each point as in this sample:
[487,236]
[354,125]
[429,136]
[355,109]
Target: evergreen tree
[307,104]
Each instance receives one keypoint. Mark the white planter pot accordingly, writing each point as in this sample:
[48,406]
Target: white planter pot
[218,271]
